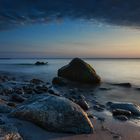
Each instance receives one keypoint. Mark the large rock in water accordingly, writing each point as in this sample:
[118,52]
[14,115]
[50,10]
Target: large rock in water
[79,71]
[54,113]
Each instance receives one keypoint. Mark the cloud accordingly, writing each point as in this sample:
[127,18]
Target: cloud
[21,12]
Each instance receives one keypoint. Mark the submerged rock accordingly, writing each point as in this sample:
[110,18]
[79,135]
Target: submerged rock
[98,108]
[117,112]
[54,113]
[133,108]
[123,84]
[121,117]
[79,71]
[41,63]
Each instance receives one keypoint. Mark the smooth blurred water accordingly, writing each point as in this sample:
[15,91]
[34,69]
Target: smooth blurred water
[110,70]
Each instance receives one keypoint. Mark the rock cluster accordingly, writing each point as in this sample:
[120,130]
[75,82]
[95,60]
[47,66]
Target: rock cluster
[124,111]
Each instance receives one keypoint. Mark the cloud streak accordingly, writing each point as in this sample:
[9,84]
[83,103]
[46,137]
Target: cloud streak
[21,12]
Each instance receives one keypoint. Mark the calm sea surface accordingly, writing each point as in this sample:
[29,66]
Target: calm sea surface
[110,70]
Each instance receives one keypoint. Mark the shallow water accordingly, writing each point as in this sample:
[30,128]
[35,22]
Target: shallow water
[110,70]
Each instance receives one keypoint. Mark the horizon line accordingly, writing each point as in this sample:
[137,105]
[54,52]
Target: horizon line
[71,58]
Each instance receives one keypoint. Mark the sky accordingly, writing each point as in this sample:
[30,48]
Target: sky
[69,28]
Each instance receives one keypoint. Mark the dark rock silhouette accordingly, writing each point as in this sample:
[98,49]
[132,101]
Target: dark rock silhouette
[79,71]
[128,85]
[41,63]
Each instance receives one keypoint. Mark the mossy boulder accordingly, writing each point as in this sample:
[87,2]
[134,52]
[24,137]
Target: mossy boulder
[79,71]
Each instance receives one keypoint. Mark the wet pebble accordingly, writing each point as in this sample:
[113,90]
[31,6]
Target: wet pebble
[101,119]
[117,137]
[83,104]
[116,112]
[12,104]
[51,91]
[98,108]
[121,117]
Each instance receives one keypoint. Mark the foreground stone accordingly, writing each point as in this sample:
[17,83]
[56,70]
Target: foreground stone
[79,71]
[132,108]
[9,132]
[54,113]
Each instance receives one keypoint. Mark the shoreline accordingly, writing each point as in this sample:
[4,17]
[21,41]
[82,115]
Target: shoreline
[110,129]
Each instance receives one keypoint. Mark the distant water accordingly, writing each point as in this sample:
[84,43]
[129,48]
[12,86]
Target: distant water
[110,70]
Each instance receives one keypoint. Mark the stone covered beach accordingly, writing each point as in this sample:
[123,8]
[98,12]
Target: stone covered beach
[68,108]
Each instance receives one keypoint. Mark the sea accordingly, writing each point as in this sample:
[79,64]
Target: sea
[110,71]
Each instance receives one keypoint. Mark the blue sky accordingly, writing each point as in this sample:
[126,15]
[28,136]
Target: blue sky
[69,39]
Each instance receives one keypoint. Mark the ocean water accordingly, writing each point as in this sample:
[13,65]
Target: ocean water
[110,70]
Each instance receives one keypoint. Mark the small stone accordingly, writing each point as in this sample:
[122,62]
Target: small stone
[83,104]
[28,90]
[36,81]
[109,103]
[104,88]
[91,116]
[121,117]
[98,108]
[11,104]
[117,137]
[17,98]
[53,92]
[41,89]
